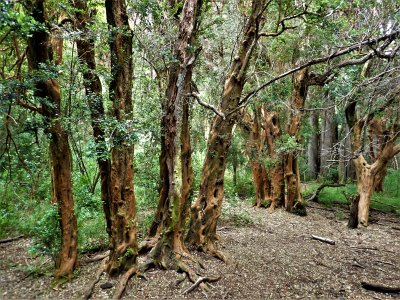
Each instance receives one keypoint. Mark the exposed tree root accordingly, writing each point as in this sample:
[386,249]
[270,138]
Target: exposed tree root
[95,258]
[147,245]
[88,293]
[119,290]
[198,282]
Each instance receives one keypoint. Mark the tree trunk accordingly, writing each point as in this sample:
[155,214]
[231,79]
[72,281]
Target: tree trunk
[207,208]
[314,147]
[39,53]
[252,132]
[328,140]
[177,181]
[93,89]
[292,174]
[123,241]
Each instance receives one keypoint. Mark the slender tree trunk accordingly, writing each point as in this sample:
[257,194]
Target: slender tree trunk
[123,244]
[93,89]
[328,139]
[313,147]
[206,210]
[251,130]
[39,53]
[292,175]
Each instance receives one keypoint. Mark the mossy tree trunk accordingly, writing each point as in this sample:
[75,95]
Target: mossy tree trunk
[206,210]
[123,240]
[175,157]
[40,54]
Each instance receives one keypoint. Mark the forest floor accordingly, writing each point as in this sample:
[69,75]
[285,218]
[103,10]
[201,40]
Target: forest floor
[274,257]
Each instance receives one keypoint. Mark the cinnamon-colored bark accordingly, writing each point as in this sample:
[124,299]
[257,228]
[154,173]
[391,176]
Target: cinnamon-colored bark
[176,168]
[291,164]
[92,83]
[369,175]
[123,240]
[40,53]
[206,210]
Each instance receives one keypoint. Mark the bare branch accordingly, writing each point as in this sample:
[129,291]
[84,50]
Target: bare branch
[206,105]
[369,42]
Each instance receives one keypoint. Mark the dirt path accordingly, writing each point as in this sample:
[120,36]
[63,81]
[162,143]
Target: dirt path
[274,257]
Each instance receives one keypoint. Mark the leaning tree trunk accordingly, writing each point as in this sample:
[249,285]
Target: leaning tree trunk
[206,210]
[291,164]
[123,241]
[40,53]
[92,83]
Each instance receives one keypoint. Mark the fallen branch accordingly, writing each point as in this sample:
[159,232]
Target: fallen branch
[380,288]
[11,239]
[371,248]
[88,293]
[197,283]
[314,196]
[119,290]
[322,239]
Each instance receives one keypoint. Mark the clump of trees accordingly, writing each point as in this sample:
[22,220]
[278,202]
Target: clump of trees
[207,70]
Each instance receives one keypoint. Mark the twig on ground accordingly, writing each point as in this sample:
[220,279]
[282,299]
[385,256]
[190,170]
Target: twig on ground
[322,239]
[11,239]
[380,288]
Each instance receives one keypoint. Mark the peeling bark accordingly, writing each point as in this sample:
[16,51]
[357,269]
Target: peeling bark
[206,210]
[369,175]
[123,240]
[175,159]
[291,167]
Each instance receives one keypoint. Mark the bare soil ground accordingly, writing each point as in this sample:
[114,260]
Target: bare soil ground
[274,257]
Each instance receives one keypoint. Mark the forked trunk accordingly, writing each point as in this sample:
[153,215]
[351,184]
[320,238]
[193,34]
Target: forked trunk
[176,169]
[40,53]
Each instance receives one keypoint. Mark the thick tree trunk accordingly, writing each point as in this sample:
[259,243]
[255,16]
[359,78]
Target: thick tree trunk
[368,175]
[39,53]
[123,241]
[93,89]
[314,147]
[207,208]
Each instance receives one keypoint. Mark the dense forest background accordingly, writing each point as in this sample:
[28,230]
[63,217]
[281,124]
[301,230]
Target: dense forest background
[170,108]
